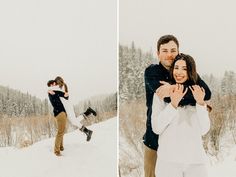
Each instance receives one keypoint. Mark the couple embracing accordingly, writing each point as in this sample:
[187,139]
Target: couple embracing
[177,114]
[62,109]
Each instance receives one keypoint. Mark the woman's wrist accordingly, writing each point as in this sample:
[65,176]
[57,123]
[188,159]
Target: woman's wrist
[202,103]
[175,105]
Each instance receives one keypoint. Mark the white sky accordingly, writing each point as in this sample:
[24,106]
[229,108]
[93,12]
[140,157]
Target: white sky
[77,40]
[206,29]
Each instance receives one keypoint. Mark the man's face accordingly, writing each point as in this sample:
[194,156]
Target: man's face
[52,84]
[167,53]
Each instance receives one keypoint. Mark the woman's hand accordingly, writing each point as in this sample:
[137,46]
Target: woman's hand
[177,94]
[164,90]
[51,92]
[66,94]
[198,94]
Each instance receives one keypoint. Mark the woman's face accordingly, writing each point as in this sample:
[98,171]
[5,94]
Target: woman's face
[180,72]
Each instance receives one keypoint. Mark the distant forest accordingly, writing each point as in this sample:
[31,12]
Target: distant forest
[26,119]
[14,103]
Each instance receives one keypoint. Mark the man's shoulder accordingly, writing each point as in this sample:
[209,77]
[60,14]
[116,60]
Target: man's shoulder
[153,69]
[56,94]
[57,91]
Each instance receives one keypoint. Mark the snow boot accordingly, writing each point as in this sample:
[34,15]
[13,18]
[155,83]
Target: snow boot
[90,111]
[57,153]
[87,132]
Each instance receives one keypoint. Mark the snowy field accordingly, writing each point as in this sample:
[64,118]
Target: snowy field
[97,158]
[224,167]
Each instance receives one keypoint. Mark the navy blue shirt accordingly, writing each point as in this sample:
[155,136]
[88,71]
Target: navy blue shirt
[152,76]
[56,102]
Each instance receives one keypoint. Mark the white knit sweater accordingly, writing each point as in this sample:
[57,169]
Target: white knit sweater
[180,131]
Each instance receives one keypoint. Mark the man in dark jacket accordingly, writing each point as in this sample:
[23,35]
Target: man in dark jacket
[167,50]
[60,115]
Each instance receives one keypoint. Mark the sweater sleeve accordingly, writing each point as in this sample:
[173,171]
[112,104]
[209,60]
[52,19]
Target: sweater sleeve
[55,88]
[152,78]
[61,94]
[162,115]
[201,83]
[203,119]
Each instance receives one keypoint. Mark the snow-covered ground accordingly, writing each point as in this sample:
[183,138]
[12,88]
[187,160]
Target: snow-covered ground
[225,163]
[97,158]
[224,167]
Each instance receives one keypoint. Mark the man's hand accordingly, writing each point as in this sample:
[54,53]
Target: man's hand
[164,90]
[51,92]
[177,94]
[198,94]
[66,94]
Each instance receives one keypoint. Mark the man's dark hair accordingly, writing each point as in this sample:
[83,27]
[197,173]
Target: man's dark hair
[50,82]
[191,67]
[165,39]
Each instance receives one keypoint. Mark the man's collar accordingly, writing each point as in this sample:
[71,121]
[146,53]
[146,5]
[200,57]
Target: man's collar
[163,68]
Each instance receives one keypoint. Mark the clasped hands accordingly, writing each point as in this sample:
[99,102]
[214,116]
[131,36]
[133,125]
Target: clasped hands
[176,93]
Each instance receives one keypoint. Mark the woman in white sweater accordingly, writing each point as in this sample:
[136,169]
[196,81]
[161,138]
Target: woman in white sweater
[59,85]
[180,129]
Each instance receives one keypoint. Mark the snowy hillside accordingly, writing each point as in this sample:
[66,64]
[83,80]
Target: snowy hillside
[80,158]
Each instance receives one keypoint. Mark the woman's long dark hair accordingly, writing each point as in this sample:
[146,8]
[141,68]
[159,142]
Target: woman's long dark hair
[193,77]
[59,80]
[191,68]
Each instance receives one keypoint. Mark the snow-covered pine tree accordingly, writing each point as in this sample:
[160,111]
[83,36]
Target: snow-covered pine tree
[132,64]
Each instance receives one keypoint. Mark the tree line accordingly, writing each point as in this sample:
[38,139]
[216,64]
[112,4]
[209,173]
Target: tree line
[25,119]
[132,63]
[14,103]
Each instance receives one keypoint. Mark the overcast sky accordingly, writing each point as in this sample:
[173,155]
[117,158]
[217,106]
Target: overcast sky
[77,40]
[206,29]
